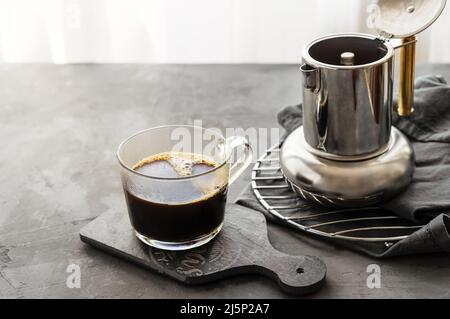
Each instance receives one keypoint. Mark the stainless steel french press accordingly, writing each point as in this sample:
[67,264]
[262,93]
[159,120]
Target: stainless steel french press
[347,153]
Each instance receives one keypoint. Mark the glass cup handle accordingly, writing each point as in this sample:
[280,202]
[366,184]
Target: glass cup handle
[244,160]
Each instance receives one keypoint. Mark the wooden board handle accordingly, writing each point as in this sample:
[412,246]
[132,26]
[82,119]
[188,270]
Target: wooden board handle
[294,274]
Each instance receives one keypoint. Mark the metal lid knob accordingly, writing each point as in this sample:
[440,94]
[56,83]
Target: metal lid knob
[348,58]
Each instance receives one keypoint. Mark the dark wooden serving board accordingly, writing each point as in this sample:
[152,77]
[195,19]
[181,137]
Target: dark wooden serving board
[242,247]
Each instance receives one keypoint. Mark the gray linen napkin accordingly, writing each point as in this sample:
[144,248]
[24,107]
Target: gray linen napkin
[427,199]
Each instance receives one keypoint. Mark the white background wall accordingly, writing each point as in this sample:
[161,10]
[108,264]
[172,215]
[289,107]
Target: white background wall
[184,31]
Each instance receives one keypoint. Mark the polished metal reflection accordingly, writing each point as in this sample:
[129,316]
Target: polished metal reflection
[351,183]
[347,108]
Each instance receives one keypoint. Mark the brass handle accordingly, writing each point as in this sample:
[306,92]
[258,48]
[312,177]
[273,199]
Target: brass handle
[407,68]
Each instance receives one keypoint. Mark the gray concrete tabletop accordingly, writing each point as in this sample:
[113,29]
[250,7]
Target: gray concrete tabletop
[59,128]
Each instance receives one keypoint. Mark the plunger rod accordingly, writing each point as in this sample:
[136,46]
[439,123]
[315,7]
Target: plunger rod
[407,70]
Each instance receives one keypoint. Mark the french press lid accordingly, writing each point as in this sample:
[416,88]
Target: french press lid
[403,18]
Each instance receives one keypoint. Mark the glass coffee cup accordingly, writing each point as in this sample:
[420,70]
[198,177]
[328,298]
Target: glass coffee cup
[175,180]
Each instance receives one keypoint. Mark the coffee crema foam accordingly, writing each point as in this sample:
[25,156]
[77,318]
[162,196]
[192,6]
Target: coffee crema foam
[183,163]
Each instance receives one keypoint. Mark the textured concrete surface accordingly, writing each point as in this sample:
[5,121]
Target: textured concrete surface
[59,128]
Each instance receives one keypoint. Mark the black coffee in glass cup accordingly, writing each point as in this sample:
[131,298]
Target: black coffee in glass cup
[175,180]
